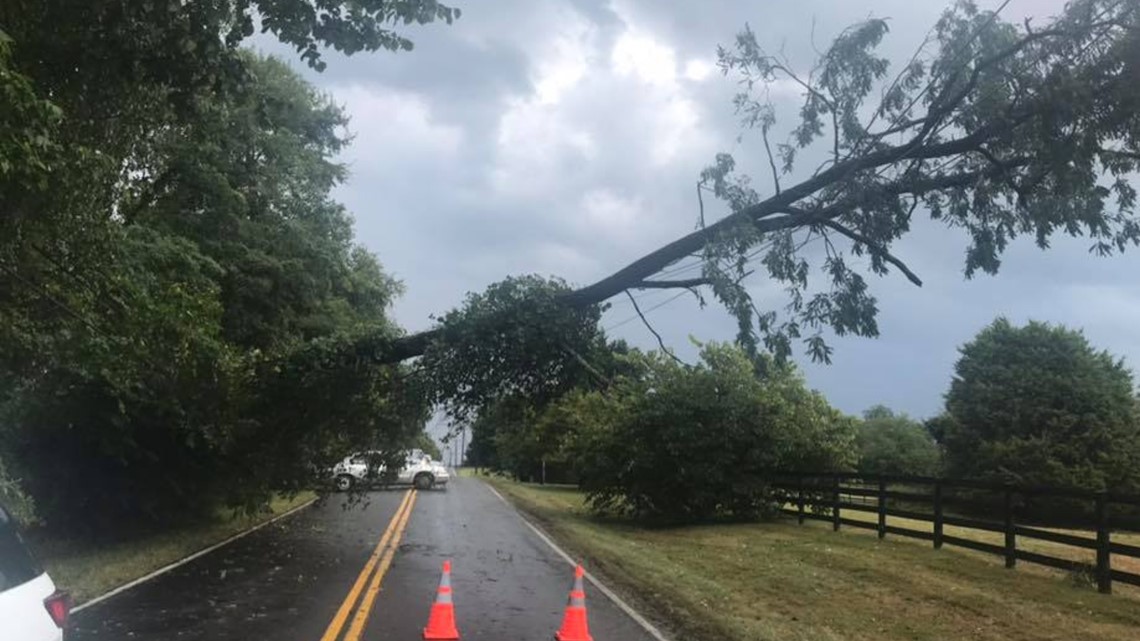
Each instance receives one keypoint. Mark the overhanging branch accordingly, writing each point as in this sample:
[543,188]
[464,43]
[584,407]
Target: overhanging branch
[874,248]
[780,211]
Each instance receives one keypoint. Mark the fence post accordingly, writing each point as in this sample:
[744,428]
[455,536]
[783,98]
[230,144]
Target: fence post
[937,515]
[800,516]
[1010,539]
[882,508]
[1103,558]
[835,506]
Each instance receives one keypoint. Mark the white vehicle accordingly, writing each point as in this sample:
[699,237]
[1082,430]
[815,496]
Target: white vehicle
[31,609]
[366,468]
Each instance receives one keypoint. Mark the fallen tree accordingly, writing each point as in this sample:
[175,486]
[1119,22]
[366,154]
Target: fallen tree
[1000,129]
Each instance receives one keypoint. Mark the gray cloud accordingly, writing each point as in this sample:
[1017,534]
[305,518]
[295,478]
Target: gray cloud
[565,137]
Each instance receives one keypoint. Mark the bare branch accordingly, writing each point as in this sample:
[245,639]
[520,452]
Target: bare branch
[771,163]
[660,342]
[835,136]
[913,206]
[899,128]
[807,86]
[828,247]
[1004,167]
[701,202]
[876,249]
[1122,153]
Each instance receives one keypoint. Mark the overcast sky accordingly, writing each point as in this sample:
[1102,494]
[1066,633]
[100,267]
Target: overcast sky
[565,137]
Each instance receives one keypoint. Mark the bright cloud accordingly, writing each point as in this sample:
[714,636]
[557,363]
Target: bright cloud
[604,212]
[698,70]
[567,60]
[389,119]
[641,56]
[537,145]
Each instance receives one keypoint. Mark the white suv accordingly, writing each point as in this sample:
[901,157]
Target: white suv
[31,609]
[364,468]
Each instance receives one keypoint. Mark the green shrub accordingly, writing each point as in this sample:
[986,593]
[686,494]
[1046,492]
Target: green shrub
[895,444]
[688,443]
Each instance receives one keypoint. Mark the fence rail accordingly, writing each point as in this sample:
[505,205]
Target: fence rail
[825,497]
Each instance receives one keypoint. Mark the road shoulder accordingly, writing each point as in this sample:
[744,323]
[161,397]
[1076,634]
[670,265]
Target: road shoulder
[93,573]
[618,586]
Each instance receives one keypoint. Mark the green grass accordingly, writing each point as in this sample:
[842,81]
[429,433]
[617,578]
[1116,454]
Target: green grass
[88,570]
[787,582]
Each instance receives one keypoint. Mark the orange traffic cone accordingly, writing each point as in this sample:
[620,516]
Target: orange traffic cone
[441,622]
[574,627]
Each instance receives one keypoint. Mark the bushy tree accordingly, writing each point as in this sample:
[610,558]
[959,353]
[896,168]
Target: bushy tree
[1038,405]
[686,443]
[895,444]
[185,364]
[476,360]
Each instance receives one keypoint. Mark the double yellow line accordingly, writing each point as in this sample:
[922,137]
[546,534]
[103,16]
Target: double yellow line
[381,556]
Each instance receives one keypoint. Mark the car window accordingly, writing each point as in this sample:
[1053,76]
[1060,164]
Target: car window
[17,565]
[358,460]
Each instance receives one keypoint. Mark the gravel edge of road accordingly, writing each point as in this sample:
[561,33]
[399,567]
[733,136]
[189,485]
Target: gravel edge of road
[188,558]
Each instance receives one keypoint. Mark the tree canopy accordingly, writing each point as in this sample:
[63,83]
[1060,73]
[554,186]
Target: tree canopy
[174,274]
[895,444]
[478,359]
[1038,405]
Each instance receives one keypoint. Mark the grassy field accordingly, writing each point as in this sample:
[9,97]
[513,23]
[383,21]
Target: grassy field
[88,571]
[783,581]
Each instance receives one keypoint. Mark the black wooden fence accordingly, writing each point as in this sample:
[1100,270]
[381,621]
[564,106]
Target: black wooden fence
[942,502]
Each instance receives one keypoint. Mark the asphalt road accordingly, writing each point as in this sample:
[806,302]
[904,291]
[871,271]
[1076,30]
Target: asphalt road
[288,580]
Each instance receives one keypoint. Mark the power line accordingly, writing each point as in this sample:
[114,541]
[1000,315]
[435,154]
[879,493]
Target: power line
[641,297]
[44,295]
[680,268]
[657,306]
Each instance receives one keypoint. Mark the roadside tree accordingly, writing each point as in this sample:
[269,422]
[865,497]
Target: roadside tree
[1038,405]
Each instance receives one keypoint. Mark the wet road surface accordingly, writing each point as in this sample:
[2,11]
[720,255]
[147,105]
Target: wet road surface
[288,580]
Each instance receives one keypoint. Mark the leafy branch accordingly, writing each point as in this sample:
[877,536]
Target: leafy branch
[1003,130]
